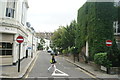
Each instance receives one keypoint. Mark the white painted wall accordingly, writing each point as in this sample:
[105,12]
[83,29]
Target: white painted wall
[2,8]
[87,49]
[29,42]
[22,30]
[16,31]
[15,50]
[47,43]
[34,44]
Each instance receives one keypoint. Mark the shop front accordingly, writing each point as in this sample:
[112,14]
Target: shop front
[6,48]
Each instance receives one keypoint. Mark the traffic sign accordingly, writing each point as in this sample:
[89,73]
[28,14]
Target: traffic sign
[20,39]
[108,43]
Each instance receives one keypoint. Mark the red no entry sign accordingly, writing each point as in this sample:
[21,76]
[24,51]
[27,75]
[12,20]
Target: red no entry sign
[108,43]
[20,39]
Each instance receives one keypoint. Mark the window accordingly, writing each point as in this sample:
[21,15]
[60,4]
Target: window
[116,27]
[10,12]
[10,9]
[6,48]
[23,13]
[119,3]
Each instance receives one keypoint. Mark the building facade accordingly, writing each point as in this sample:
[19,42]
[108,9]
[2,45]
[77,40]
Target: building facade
[13,15]
[47,38]
[116,25]
[44,35]
[32,42]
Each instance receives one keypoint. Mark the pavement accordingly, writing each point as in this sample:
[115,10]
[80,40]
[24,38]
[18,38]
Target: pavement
[11,71]
[92,70]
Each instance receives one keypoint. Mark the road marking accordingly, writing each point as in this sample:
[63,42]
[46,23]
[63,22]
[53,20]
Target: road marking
[31,67]
[57,72]
[87,73]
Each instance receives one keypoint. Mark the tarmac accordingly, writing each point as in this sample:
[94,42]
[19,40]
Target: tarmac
[10,71]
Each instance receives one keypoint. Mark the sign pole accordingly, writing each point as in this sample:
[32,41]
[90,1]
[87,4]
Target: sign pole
[19,58]
[108,44]
[19,39]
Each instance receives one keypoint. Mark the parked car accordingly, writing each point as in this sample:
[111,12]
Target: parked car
[49,51]
[53,53]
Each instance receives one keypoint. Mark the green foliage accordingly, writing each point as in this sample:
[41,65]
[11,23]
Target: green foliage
[118,15]
[65,51]
[64,37]
[95,25]
[81,31]
[40,47]
[74,50]
[101,59]
[42,41]
[47,47]
[57,37]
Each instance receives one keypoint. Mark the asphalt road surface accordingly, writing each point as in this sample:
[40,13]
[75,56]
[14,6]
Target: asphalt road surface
[65,70]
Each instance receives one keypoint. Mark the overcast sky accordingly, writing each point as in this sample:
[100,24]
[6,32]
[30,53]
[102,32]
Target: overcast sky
[48,15]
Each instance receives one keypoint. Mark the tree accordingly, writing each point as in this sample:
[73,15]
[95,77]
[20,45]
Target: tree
[64,37]
[57,38]
[40,47]
[41,44]
[42,41]
[69,36]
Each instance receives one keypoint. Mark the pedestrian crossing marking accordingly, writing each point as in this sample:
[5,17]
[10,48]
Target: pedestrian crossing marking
[57,72]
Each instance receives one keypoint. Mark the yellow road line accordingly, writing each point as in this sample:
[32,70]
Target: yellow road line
[31,68]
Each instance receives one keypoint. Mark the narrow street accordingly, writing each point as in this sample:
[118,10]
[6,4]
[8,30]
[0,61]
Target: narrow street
[41,64]
[86,31]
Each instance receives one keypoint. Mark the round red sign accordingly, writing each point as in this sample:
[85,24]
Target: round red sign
[108,43]
[20,39]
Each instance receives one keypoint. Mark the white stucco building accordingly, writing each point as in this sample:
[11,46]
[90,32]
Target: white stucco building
[32,42]
[47,44]
[13,16]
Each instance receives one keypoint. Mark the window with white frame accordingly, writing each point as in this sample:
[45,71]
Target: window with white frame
[119,3]
[24,8]
[116,3]
[10,8]
[116,27]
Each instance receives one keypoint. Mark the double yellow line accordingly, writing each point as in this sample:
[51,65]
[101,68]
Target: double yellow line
[29,70]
